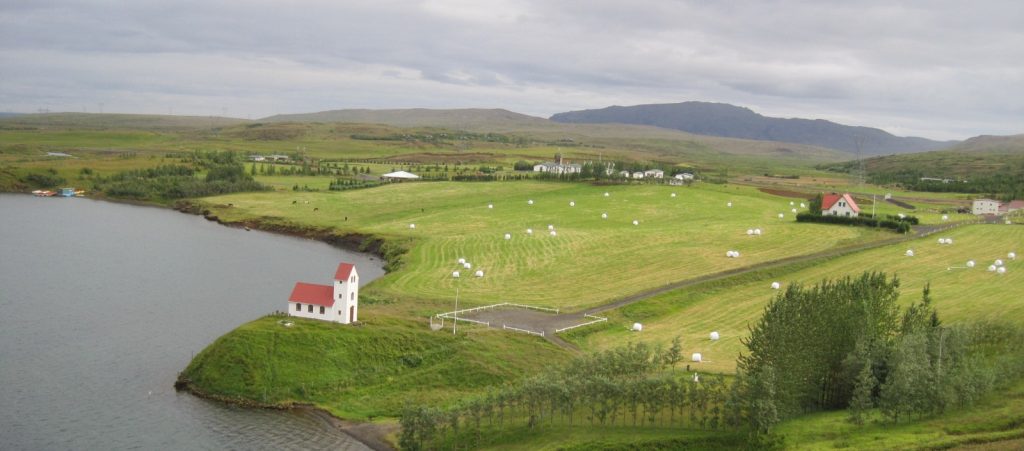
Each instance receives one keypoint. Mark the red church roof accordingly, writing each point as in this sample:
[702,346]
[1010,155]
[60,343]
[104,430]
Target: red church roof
[344,270]
[828,200]
[309,293]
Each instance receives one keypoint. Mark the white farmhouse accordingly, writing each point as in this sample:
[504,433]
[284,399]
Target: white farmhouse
[839,205]
[985,207]
[684,176]
[654,173]
[638,175]
[337,303]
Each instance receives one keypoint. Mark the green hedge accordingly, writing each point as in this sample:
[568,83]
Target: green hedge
[890,222]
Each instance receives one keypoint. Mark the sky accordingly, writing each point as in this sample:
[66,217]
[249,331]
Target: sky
[939,69]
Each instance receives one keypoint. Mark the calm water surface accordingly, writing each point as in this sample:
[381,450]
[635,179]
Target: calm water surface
[101,305]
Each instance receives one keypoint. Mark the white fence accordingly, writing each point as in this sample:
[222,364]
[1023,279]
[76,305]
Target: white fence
[539,334]
[486,307]
[597,319]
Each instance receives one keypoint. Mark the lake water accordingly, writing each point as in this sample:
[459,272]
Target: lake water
[102,304]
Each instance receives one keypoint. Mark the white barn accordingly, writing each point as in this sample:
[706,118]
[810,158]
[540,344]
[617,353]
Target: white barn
[839,205]
[985,207]
[654,173]
[337,303]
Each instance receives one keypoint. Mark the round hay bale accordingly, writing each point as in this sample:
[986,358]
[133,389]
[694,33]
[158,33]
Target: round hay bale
[781,216]
[791,203]
[529,231]
[901,215]
[604,215]
[970,263]
[412,226]
[455,274]
[637,327]
[945,217]
[529,202]
[736,254]
[635,222]
[728,204]
[998,262]
[714,336]
[757,232]
[802,205]
[1001,270]
[508,236]
[793,211]
[462,261]
[479,273]
[949,241]
[1012,256]
[606,194]
[551,227]
[942,241]
[554,233]
[467,265]
[909,253]
[673,194]
[991,268]
[696,357]
[572,203]
[776,285]
[750,232]
[490,205]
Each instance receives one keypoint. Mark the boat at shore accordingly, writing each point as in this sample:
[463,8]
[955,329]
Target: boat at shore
[43,193]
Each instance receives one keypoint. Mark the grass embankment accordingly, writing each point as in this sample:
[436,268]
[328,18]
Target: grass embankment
[361,372]
[590,262]
[959,294]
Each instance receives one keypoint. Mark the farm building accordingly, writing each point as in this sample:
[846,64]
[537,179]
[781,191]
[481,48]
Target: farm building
[985,207]
[337,303]
[1011,206]
[557,168]
[400,175]
[638,175]
[654,173]
[624,174]
[839,205]
[684,176]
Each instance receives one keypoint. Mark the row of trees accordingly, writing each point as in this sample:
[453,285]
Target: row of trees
[1005,185]
[225,173]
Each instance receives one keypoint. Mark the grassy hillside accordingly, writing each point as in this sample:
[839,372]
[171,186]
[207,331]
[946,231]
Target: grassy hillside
[115,121]
[960,294]
[591,261]
[362,372]
[983,155]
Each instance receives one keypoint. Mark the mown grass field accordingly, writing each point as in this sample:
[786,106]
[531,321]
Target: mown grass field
[590,262]
[959,294]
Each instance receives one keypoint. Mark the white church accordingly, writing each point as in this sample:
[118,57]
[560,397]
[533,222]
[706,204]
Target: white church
[337,303]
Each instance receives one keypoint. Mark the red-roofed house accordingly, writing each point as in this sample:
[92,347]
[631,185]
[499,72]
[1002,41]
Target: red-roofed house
[839,205]
[337,303]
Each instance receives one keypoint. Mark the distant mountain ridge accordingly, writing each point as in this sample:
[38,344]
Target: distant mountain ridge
[730,121]
[415,117]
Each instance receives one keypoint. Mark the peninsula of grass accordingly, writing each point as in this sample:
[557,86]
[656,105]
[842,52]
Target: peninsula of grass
[360,372]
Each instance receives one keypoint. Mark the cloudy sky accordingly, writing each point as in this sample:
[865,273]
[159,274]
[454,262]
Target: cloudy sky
[937,68]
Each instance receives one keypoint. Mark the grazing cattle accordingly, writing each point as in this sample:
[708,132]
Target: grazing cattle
[316,209]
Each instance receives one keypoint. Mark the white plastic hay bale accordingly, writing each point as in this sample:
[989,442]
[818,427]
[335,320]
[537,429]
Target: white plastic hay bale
[572,203]
[781,216]
[970,263]
[467,265]
[776,285]
[1001,270]
[554,233]
[479,273]
[455,274]
[791,203]
[462,261]
[728,204]
[529,202]
[529,231]
[728,254]
[909,253]
[714,336]
[508,236]
[991,268]
[604,215]
[736,254]
[750,232]
[490,205]
[696,357]
[412,226]
[942,241]
[696,378]
[551,227]
[901,215]
[793,211]
[949,241]
[673,194]
[637,327]
[998,262]
[757,232]
[635,222]
[945,217]
[802,205]
[1012,256]
[606,194]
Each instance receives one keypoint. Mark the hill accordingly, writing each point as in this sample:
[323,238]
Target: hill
[93,121]
[720,119]
[465,119]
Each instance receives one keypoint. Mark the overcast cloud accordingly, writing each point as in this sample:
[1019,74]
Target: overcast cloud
[939,69]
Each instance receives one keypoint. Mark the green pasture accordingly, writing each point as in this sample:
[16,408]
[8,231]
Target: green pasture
[590,262]
[959,293]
